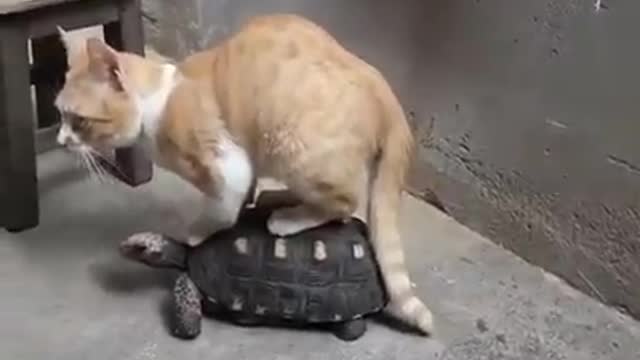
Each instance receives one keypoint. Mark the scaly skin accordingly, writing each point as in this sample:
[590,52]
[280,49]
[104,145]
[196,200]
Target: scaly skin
[188,308]
[155,250]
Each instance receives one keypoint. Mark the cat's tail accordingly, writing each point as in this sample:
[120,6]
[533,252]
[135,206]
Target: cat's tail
[387,183]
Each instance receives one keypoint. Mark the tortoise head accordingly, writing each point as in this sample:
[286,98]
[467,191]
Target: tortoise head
[155,250]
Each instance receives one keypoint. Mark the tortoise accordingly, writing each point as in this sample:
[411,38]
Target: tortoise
[326,276]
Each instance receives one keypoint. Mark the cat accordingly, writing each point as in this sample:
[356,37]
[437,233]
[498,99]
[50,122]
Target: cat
[279,98]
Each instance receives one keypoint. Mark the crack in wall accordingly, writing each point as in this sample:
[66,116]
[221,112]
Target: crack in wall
[624,164]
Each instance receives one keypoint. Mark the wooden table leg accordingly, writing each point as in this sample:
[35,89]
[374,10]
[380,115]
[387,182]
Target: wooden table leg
[127,34]
[50,58]
[18,177]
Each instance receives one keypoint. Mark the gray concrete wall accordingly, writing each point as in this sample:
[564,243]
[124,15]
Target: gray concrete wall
[525,113]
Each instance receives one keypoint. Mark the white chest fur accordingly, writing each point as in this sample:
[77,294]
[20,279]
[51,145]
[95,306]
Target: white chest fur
[236,170]
[222,203]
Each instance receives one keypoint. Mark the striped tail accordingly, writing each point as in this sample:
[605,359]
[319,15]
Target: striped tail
[385,190]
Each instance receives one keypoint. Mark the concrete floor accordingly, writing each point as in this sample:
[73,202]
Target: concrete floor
[66,294]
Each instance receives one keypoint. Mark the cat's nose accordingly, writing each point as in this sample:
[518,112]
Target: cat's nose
[65,136]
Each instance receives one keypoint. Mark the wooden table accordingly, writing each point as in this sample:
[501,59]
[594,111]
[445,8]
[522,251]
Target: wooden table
[37,20]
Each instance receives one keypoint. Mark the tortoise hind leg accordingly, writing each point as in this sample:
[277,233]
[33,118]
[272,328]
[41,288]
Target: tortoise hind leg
[350,330]
[188,308]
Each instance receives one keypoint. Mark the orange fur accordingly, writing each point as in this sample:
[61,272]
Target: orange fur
[280,98]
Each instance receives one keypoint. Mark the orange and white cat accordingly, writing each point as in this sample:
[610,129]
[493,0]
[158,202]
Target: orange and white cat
[280,98]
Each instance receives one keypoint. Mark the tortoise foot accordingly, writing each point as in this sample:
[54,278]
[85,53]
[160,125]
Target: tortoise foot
[187,323]
[210,308]
[350,330]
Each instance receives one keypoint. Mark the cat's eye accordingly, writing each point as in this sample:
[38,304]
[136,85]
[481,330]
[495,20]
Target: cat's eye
[77,122]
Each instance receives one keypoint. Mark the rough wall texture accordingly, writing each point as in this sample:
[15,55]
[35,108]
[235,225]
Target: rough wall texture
[525,112]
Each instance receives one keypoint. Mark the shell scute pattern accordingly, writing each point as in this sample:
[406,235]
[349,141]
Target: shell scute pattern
[328,273]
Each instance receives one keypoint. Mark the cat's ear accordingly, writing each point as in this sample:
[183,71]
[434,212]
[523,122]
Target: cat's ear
[69,45]
[104,62]
[64,37]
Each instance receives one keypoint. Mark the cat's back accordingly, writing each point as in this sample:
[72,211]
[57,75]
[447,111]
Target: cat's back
[287,40]
[267,31]
[281,65]
[269,44]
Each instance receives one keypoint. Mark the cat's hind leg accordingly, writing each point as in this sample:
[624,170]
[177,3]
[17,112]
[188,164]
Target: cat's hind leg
[323,199]
[291,220]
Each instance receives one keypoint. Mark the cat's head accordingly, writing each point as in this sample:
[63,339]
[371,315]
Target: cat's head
[98,108]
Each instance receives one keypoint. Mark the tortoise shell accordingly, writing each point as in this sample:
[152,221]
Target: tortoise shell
[324,274]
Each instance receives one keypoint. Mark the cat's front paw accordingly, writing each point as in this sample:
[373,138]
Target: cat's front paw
[204,227]
[280,226]
[200,231]
[289,221]
[195,240]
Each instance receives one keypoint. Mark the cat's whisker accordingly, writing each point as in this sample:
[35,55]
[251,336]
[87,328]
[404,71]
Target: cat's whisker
[82,167]
[94,174]
[112,165]
[85,165]
[106,175]
[88,159]
[77,162]
[93,166]
[96,167]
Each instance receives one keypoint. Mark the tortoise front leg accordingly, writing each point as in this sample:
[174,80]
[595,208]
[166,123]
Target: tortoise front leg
[188,308]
